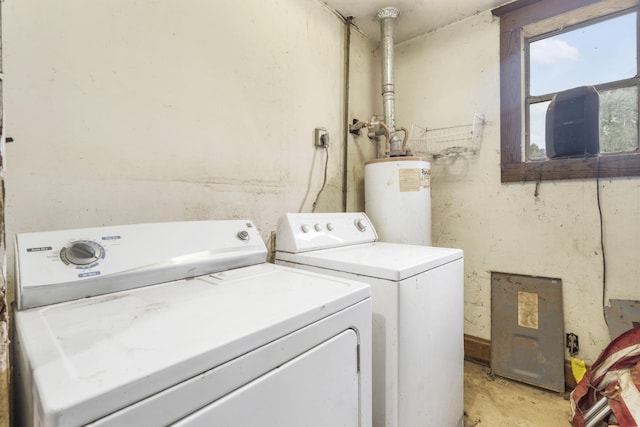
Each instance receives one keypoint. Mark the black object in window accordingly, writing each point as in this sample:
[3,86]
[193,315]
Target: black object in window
[572,123]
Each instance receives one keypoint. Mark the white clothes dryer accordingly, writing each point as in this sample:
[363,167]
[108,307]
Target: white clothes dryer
[184,324]
[417,295]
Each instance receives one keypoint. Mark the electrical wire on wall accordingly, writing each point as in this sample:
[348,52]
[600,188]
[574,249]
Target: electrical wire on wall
[604,258]
[602,246]
[324,181]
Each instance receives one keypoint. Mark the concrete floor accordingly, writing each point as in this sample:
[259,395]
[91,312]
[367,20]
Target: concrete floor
[491,401]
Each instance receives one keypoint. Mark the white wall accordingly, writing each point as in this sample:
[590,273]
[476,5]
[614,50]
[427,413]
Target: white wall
[442,79]
[144,111]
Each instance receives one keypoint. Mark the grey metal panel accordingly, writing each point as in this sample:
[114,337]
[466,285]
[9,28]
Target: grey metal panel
[622,316]
[527,329]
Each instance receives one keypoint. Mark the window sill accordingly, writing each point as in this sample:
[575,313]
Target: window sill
[611,166]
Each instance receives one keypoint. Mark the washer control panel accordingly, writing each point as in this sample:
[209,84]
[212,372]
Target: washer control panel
[361,225]
[56,266]
[299,232]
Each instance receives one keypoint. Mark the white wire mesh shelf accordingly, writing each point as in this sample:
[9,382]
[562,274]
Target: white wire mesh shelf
[453,140]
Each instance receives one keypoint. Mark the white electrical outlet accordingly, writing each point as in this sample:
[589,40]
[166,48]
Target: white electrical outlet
[321,138]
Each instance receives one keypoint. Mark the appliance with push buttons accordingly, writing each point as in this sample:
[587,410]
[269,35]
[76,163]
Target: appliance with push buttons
[417,296]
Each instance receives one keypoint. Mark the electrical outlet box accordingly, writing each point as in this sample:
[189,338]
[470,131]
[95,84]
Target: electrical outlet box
[321,138]
[572,343]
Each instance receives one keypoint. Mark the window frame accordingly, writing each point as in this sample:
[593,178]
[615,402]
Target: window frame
[525,19]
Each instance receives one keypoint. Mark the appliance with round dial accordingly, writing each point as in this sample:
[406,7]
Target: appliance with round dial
[82,252]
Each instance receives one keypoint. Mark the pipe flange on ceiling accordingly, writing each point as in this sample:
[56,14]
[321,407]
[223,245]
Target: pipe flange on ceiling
[388,12]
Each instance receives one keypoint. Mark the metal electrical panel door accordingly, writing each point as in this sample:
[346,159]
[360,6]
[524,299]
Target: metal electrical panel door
[527,329]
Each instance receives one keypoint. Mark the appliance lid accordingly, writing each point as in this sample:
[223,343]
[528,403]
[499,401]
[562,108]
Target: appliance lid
[56,266]
[383,260]
[94,356]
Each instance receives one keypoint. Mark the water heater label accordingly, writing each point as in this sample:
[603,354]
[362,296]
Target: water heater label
[413,179]
[425,178]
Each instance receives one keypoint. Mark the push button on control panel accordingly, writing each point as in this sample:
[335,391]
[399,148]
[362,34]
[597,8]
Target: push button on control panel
[305,228]
[361,225]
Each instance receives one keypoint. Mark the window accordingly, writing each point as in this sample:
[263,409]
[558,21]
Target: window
[548,46]
[601,54]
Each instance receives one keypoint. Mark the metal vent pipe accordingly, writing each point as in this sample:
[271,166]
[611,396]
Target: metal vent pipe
[387,16]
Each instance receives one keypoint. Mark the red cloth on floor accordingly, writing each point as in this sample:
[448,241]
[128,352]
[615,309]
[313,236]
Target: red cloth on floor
[616,376]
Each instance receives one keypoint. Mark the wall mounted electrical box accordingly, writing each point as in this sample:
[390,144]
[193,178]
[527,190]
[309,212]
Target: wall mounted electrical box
[527,329]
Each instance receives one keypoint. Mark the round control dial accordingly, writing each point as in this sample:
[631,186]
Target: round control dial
[81,252]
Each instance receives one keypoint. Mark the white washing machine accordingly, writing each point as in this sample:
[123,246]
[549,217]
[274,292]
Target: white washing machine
[417,294]
[184,324]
